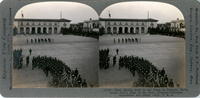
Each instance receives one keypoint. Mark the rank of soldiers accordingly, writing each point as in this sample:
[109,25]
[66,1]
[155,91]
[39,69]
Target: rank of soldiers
[59,70]
[104,58]
[146,71]
[127,40]
[17,58]
[40,40]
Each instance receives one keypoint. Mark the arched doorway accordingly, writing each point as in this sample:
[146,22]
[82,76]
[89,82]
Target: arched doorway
[142,30]
[114,30]
[126,30]
[120,30]
[27,30]
[44,30]
[33,30]
[137,30]
[55,30]
[94,25]
[39,30]
[132,30]
[108,30]
[50,30]
[21,30]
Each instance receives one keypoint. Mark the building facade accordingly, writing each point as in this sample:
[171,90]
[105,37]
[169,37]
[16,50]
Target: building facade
[121,26]
[40,26]
[91,25]
[178,24]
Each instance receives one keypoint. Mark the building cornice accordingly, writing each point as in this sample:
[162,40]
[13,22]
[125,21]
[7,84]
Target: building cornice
[120,19]
[43,20]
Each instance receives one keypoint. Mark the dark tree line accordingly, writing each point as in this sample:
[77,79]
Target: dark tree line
[80,32]
[167,31]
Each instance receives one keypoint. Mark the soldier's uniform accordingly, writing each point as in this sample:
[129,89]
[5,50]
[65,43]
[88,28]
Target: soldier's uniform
[76,72]
[79,80]
[30,51]
[27,60]
[165,80]
[117,50]
[171,84]
[84,84]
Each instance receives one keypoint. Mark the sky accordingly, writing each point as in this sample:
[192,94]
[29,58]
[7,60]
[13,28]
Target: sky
[139,10]
[76,12]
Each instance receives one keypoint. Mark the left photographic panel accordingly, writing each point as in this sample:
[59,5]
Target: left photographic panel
[55,45]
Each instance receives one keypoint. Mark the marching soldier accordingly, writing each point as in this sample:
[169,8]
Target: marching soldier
[79,80]
[30,51]
[117,51]
[114,60]
[132,39]
[166,80]
[114,40]
[171,84]
[27,61]
[38,40]
[84,84]
[163,72]
[33,63]
[76,72]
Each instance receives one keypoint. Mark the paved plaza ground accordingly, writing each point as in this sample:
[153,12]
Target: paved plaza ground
[163,51]
[82,53]
[75,51]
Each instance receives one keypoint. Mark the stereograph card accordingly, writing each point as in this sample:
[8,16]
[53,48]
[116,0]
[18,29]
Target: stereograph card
[96,48]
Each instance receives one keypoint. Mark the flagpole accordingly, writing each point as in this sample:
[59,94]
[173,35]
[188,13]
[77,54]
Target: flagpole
[148,22]
[22,14]
[60,15]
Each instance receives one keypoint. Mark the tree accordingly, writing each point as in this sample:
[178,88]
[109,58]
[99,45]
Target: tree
[101,31]
[15,32]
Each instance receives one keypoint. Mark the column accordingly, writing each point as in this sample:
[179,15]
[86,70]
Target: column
[35,30]
[47,30]
[111,29]
[122,30]
[52,30]
[117,30]
[129,30]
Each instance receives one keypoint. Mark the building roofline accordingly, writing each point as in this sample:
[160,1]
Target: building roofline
[91,20]
[178,20]
[120,19]
[43,20]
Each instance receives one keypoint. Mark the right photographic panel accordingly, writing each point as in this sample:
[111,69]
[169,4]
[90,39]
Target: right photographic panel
[141,44]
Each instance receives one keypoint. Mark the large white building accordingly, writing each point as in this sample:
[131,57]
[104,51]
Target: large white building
[40,26]
[91,25]
[120,26]
[178,24]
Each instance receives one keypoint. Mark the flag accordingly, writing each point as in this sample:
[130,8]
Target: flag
[109,14]
[151,74]
[22,14]
[64,75]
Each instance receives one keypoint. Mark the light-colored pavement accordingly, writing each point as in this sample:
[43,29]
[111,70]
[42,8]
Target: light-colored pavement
[75,51]
[163,51]
[82,53]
